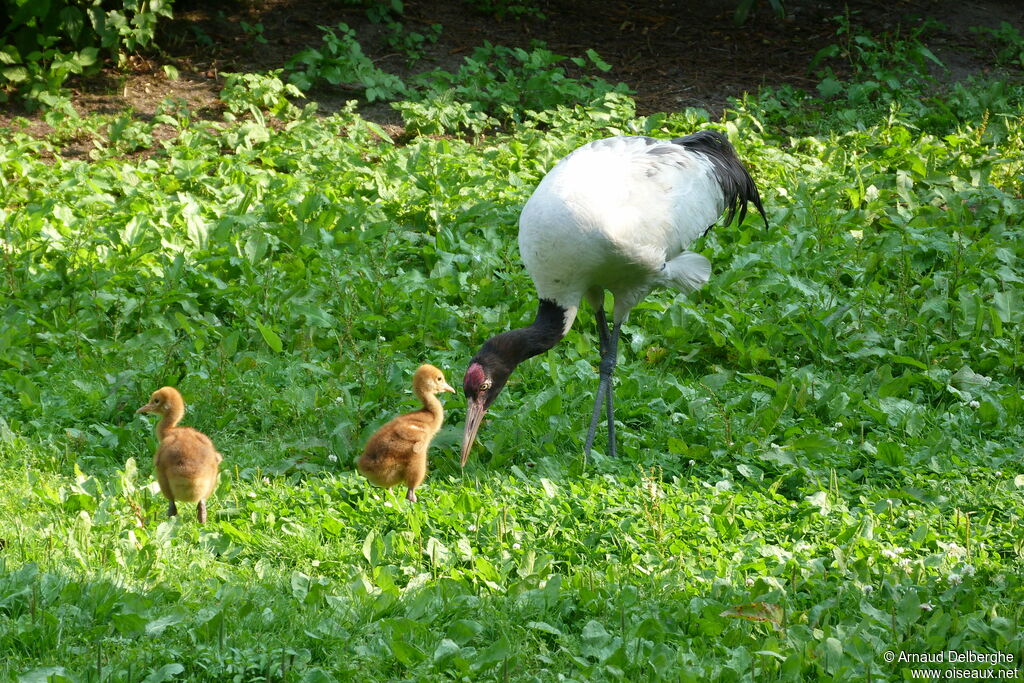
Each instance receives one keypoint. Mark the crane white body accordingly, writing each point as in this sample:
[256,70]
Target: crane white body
[618,214]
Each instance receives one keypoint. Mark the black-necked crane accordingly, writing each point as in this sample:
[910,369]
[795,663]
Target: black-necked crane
[616,214]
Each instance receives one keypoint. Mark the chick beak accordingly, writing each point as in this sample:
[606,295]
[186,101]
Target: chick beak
[447,387]
[145,409]
[475,411]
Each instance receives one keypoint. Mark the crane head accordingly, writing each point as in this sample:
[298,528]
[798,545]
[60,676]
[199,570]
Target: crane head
[482,384]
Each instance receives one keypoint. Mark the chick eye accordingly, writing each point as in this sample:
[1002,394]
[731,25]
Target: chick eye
[156,401]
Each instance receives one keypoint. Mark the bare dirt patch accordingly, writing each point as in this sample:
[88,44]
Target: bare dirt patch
[675,54]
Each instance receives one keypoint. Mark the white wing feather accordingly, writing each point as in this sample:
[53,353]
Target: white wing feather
[615,214]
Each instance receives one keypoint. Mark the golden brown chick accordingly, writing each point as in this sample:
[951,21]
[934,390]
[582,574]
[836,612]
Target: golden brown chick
[397,452]
[185,461]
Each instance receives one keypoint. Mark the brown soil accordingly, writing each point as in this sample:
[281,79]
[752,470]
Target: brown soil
[674,53]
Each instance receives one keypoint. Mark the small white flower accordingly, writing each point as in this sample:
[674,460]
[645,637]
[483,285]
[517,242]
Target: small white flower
[926,606]
[316,563]
[471,527]
[953,549]
[999,473]
[889,553]
[773,445]
[974,404]
[849,442]
[692,463]
[516,546]
[954,579]
[338,399]
[968,570]
[839,425]
[376,497]
[332,457]
[904,563]
[266,480]
[750,581]
[381,338]
[869,589]
[387,503]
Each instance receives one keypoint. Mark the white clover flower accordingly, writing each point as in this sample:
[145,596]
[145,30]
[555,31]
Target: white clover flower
[968,570]
[974,404]
[999,473]
[904,563]
[839,425]
[376,497]
[381,338]
[773,445]
[926,606]
[516,546]
[692,463]
[266,480]
[387,503]
[849,442]
[954,579]
[953,549]
[338,399]
[471,527]
[332,457]
[869,589]
[750,581]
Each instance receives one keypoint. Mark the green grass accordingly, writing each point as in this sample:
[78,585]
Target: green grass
[821,449]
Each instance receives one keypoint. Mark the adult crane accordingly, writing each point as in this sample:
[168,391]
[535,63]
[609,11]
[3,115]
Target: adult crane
[616,214]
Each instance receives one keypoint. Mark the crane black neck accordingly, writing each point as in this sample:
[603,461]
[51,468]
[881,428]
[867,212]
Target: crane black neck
[513,347]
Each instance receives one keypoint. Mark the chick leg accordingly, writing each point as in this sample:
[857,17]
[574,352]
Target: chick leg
[415,473]
[201,511]
[172,509]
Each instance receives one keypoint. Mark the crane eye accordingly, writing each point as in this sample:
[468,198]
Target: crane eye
[486,385]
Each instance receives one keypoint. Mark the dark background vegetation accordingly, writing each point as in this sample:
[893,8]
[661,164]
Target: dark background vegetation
[673,54]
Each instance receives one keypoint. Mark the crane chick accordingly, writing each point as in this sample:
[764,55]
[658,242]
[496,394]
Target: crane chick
[185,461]
[397,452]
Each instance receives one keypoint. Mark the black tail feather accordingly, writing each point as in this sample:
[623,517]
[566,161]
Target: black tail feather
[737,185]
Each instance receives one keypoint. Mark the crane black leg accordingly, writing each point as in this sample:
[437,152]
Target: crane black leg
[609,349]
[613,354]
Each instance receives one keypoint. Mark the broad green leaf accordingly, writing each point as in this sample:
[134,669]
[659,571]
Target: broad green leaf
[270,337]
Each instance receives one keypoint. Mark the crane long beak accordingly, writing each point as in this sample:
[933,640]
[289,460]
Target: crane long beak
[475,411]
